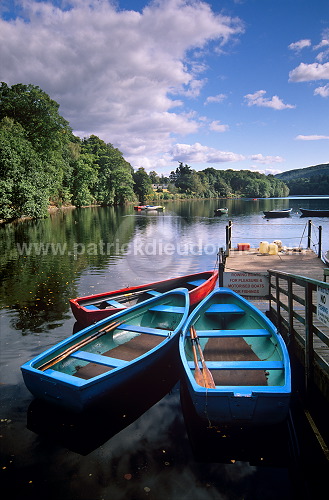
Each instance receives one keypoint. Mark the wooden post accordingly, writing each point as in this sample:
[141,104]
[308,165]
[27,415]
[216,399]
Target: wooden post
[309,234]
[291,311]
[221,265]
[308,338]
[228,237]
[320,242]
[277,298]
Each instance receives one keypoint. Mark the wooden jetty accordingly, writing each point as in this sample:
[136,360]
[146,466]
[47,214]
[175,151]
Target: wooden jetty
[302,261]
[291,303]
[296,285]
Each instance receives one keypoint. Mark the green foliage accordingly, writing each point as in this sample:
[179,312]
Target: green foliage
[143,184]
[37,113]
[312,185]
[42,162]
[114,185]
[306,181]
[305,173]
[210,183]
[24,180]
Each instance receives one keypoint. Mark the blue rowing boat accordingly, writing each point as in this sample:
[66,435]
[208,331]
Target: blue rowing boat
[236,366]
[98,363]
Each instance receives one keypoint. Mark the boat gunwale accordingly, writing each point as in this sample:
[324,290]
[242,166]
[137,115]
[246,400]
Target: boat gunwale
[241,389]
[81,384]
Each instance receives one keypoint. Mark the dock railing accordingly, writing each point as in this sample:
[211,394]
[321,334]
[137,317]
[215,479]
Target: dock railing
[299,306]
[312,239]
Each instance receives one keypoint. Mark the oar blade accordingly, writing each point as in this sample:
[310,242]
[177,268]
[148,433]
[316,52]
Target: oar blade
[206,373]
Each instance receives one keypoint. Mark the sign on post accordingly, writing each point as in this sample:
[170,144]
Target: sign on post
[322,309]
[247,284]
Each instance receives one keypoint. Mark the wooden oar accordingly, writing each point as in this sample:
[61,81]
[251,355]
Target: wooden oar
[209,381]
[127,296]
[199,378]
[78,345]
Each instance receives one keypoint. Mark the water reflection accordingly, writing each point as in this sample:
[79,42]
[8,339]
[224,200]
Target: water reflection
[152,456]
[87,431]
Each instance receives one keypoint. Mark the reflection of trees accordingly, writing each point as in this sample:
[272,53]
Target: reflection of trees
[37,280]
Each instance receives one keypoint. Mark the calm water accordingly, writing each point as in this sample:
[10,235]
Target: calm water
[144,450]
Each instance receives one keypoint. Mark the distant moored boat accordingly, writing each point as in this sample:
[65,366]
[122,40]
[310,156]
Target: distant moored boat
[278,213]
[314,213]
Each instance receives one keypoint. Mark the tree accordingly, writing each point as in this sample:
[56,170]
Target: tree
[114,181]
[37,113]
[155,179]
[24,182]
[143,184]
[85,178]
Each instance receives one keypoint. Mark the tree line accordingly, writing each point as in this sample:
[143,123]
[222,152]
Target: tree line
[43,163]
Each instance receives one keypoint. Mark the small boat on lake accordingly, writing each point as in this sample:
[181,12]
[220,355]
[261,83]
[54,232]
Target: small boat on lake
[149,207]
[314,213]
[235,363]
[98,363]
[278,213]
[221,211]
[92,308]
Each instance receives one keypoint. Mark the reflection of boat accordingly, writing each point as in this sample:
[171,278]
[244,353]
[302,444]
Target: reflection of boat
[149,207]
[231,443]
[245,375]
[92,308]
[314,213]
[102,360]
[84,432]
[221,211]
[278,213]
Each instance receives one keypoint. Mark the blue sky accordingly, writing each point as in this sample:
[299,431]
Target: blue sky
[240,84]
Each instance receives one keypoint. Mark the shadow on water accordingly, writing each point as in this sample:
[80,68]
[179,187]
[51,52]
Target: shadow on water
[86,431]
[276,451]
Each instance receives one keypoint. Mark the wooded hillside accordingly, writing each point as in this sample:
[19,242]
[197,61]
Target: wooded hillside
[309,180]
[43,163]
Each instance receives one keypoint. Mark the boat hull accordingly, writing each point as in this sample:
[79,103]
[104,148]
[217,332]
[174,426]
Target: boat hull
[235,409]
[90,377]
[149,207]
[277,213]
[221,211]
[87,310]
[247,359]
[314,213]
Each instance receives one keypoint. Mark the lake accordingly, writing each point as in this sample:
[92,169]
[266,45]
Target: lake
[130,453]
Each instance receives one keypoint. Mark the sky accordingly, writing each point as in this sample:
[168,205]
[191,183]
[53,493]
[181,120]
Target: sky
[228,84]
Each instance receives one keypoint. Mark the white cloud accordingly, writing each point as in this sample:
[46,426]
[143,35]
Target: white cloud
[216,126]
[311,137]
[258,99]
[323,43]
[265,171]
[298,46]
[309,72]
[215,98]
[114,72]
[197,153]
[266,159]
[322,91]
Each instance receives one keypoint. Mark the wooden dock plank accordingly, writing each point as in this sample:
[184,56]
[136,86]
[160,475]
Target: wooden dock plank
[304,263]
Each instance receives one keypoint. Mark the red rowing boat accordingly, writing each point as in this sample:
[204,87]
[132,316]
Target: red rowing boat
[92,308]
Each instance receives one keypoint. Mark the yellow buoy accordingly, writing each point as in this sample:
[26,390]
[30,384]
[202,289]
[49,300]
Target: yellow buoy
[273,249]
[264,247]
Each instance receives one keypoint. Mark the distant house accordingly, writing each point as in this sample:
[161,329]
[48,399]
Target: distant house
[164,187]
